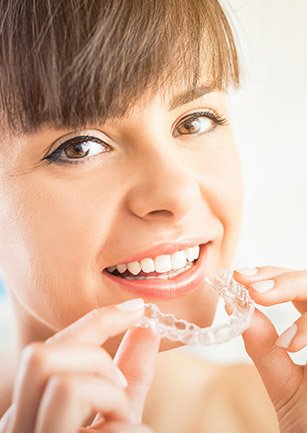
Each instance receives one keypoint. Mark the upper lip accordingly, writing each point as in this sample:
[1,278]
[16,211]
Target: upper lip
[166,248]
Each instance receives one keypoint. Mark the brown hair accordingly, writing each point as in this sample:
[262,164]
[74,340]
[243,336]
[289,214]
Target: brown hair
[74,62]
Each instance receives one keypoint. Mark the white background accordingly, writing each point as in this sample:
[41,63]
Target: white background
[269,116]
[270,123]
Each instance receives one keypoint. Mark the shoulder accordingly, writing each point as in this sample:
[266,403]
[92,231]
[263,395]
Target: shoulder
[229,398]
[239,388]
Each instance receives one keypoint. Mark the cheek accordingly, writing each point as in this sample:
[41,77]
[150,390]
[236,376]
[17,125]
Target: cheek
[229,188]
[53,234]
[222,188]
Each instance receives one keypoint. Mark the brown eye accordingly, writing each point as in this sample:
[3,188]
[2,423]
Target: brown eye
[78,149]
[195,125]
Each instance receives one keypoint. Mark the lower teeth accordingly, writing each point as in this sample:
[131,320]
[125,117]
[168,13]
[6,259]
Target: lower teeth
[160,277]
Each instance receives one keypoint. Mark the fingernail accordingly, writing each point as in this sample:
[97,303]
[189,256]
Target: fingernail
[247,271]
[287,336]
[131,305]
[263,286]
[122,380]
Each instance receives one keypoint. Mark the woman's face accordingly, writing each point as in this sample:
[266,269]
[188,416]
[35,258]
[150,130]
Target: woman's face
[145,181]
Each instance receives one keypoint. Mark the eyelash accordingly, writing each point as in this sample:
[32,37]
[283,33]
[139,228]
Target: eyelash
[54,157]
[213,115]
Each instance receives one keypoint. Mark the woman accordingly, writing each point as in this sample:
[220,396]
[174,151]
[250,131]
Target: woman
[120,180]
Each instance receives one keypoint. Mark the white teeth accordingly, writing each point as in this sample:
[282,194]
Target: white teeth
[189,254]
[121,268]
[179,260]
[160,264]
[196,252]
[148,265]
[134,268]
[159,277]
[163,263]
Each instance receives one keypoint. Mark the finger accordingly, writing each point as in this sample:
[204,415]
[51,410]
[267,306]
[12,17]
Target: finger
[280,375]
[249,276]
[100,324]
[275,285]
[69,400]
[258,273]
[93,328]
[136,358]
[40,361]
[295,337]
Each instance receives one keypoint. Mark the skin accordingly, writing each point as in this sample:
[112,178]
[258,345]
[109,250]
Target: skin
[47,209]
[285,382]
[49,290]
[53,284]
[70,368]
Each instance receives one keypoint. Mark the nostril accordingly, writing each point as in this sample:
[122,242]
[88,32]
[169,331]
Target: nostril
[160,212]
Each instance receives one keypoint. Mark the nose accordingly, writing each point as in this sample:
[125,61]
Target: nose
[164,188]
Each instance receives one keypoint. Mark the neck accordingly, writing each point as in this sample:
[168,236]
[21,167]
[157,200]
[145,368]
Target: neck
[28,326]
[26,329]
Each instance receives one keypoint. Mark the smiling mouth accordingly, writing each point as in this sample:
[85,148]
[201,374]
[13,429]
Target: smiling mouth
[162,267]
[163,277]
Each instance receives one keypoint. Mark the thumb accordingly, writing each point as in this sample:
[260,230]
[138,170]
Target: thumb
[280,375]
[136,357]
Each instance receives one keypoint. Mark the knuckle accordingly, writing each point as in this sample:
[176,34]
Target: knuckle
[34,355]
[106,357]
[296,281]
[62,385]
[290,277]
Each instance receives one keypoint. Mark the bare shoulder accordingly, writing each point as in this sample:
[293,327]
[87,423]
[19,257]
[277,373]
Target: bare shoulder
[189,393]
[241,388]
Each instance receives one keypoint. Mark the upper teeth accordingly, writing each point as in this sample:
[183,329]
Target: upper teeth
[163,263]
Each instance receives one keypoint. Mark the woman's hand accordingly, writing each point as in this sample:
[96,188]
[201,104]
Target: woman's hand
[70,378]
[286,382]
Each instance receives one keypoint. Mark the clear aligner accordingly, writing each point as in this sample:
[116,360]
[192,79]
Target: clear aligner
[235,296]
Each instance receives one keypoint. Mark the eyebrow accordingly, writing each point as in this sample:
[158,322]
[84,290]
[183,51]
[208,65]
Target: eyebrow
[177,100]
[189,95]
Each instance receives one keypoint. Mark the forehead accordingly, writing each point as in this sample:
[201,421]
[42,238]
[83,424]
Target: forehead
[171,96]
[169,99]
[176,96]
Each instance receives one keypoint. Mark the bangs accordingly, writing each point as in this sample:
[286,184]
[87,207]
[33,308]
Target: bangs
[72,63]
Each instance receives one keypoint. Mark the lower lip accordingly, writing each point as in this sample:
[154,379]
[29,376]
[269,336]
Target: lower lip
[165,289]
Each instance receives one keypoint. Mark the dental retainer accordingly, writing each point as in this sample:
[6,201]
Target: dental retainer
[236,297]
